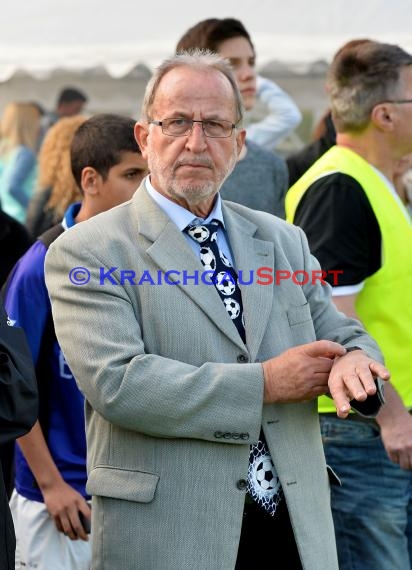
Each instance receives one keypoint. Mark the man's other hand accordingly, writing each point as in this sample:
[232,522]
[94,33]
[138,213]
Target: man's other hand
[300,373]
[352,377]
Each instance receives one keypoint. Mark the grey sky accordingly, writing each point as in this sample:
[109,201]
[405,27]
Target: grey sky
[36,21]
[38,30]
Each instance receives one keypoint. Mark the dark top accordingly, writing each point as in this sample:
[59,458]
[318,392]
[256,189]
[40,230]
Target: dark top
[341,227]
[14,241]
[38,219]
[258,181]
[300,162]
[18,412]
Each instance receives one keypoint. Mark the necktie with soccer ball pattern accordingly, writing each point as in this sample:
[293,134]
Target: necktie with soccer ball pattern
[263,484]
[221,272]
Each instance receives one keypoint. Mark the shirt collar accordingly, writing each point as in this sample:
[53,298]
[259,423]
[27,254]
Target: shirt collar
[70,214]
[179,215]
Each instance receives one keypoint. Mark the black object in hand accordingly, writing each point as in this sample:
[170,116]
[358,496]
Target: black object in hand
[86,523]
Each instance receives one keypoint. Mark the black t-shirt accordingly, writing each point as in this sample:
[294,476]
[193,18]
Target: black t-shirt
[301,161]
[341,227]
[14,241]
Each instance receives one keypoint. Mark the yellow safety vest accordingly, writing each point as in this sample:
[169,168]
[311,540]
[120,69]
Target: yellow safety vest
[384,304]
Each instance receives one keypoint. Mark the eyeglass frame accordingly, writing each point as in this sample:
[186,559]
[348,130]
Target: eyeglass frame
[188,133]
[396,101]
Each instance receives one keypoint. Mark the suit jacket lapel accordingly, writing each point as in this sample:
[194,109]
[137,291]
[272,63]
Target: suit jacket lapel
[170,251]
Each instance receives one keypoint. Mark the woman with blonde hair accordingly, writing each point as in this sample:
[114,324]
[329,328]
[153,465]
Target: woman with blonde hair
[56,187]
[19,132]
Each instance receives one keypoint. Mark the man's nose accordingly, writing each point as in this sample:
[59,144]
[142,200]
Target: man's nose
[196,140]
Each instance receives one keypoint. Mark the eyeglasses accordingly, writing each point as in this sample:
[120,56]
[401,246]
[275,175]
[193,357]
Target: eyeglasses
[179,127]
[399,101]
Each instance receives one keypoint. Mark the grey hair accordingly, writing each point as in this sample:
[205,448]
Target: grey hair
[360,78]
[199,59]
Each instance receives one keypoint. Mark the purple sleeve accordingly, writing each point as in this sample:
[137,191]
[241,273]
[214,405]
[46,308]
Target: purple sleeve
[27,301]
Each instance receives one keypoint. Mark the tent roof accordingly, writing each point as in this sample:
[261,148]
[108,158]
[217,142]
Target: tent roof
[85,34]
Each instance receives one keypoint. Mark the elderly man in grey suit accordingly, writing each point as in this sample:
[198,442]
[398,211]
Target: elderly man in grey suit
[204,449]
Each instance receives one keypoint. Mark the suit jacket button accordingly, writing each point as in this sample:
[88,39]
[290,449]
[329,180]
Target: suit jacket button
[242,358]
[241,484]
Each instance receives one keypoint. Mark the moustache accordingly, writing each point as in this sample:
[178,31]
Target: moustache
[205,162]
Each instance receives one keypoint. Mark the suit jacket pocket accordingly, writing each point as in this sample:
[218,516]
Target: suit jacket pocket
[333,478]
[299,314]
[126,484]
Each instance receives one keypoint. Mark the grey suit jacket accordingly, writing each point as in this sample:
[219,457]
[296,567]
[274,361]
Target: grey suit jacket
[174,397]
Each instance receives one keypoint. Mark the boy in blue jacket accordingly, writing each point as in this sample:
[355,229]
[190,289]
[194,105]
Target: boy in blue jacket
[50,505]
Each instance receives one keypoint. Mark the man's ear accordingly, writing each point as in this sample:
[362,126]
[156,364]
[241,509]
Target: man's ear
[90,181]
[141,132]
[382,117]
[240,140]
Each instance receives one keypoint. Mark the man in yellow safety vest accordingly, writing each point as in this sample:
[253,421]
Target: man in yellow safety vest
[357,225]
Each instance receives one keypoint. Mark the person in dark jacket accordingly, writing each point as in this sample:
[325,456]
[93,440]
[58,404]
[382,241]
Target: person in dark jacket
[18,412]
[324,137]
[14,241]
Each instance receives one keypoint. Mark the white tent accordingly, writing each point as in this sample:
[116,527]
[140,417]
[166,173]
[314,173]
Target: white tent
[39,36]
[108,49]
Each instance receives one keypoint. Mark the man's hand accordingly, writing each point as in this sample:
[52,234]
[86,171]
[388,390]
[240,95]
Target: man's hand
[300,373]
[64,503]
[352,378]
[397,439]
[395,422]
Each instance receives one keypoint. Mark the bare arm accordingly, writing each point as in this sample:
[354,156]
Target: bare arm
[346,304]
[62,501]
